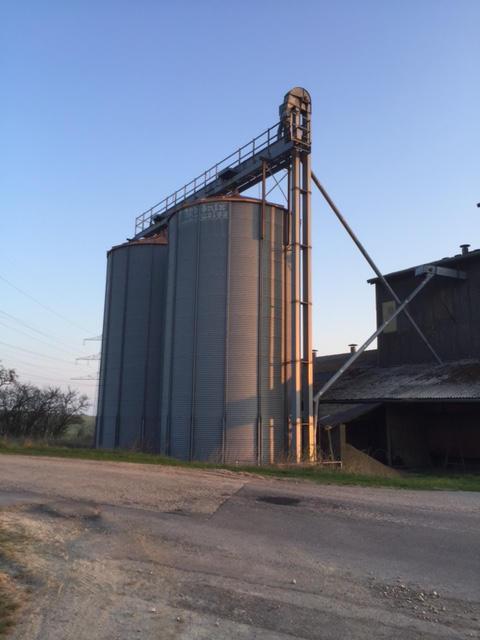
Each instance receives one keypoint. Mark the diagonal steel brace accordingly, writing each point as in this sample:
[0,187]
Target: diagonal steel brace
[367,257]
[364,346]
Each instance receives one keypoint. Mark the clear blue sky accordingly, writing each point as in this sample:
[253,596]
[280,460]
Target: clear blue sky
[109,105]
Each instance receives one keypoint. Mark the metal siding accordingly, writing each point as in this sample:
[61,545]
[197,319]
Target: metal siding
[169,337]
[210,327]
[272,388]
[183,338]
[114,338]
[132,336]
[241,417]
[99,426]
[210,394]
[135,350]
[446,311]
[154,363]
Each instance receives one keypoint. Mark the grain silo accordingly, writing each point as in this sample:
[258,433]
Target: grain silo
[223,378]
[132,345]
[207,351]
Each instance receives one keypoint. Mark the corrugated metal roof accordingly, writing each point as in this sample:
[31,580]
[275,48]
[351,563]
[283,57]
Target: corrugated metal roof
[324,367]
[334,414]
[458,380]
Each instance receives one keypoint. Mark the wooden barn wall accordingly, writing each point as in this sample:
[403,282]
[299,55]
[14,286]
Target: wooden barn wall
[447,311]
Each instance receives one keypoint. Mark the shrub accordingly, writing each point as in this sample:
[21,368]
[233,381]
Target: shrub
[27,411]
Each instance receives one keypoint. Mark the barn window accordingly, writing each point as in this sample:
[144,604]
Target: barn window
[388,309]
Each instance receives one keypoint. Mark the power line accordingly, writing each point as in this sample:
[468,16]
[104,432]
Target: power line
[44,306]
[25,374]
[37,366]
[93,356]
[57,381]
[35,353]
[54,380]
[29,326]
[49,344]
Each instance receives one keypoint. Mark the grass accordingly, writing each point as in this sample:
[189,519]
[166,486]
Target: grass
[421,481]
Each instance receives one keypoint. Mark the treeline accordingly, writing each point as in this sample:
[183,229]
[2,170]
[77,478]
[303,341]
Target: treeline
[28,411]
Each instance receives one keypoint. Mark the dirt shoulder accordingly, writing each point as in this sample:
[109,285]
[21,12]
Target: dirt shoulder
[169,489]
[122,551]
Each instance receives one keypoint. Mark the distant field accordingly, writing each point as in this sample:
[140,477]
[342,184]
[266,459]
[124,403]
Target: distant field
[424,481]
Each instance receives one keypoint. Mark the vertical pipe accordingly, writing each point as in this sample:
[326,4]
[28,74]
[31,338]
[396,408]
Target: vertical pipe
[262,213]
[261,234]
[286,323]
[295,410]
[307,365]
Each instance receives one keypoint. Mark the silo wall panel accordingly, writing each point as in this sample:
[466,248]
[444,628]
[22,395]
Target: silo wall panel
[154,364]
[114,349]
[135,349]
[210,322]
[132,345]
[242,378]
[181,391]
[99,422]
[169,341]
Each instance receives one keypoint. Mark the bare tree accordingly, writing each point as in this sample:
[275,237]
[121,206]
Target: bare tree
[28,411]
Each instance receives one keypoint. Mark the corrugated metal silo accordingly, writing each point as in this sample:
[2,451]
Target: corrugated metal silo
[132,345]
[223,382]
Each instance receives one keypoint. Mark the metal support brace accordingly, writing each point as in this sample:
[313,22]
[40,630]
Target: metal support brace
[277,184]
[374,335]
[368,258]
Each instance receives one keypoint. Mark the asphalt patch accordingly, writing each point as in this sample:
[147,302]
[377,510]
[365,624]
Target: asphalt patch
[282,501]
[68,510]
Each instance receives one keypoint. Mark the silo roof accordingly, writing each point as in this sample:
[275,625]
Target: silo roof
[159,238]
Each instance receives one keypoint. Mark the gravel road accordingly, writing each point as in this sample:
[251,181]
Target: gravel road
[116,551]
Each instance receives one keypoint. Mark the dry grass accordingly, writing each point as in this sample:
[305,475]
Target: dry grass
[9,599]
[435,480]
